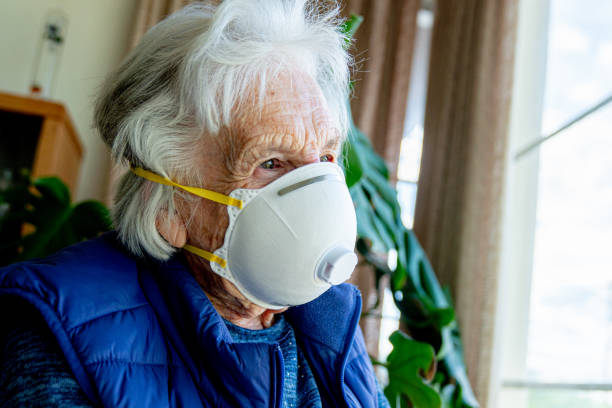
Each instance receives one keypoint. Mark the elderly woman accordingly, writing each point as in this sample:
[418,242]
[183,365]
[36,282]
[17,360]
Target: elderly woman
[221,286]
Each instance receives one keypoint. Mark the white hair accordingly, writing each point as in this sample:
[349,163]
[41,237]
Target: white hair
[186,78]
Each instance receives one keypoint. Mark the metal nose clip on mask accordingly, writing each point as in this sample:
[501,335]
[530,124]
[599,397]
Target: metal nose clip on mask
[288,242]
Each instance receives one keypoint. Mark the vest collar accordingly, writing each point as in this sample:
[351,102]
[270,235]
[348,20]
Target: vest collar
[325,328]
[197,332]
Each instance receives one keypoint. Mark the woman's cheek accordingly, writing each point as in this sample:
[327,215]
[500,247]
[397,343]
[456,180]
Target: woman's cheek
[262,177]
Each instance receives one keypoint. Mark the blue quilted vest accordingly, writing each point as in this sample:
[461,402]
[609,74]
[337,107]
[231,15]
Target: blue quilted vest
[144,334]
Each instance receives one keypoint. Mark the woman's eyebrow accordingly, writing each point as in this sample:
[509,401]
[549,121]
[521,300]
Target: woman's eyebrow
[260,146]
[333,142]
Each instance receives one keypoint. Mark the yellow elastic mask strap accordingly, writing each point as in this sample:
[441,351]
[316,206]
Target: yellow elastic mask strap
[200,192]
[206,255]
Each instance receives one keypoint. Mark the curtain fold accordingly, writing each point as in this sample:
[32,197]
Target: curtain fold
[383,48]
[461,186]
[151,12]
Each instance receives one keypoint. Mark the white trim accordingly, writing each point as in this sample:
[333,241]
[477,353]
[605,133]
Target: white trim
[557,386]
[511,329]
[539,140]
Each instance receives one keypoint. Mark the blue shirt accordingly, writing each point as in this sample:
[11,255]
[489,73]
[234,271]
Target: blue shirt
[299,387]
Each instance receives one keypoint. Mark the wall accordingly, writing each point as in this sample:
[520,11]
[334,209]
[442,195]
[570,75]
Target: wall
[97,39]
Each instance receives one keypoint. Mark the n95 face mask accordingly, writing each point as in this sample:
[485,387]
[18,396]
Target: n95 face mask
[288,242]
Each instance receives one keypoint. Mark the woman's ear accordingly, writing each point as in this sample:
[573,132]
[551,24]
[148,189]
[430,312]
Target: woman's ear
[172,228]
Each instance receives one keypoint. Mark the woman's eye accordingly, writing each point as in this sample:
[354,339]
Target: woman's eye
[327,158]
[270,164]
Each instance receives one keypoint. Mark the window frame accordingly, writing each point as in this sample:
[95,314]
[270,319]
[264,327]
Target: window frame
[510,384]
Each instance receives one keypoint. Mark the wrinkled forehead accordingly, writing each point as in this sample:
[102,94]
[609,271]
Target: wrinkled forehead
[291,102]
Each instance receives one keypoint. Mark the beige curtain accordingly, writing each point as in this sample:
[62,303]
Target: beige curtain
[459,201]
[383,50]
[151,12]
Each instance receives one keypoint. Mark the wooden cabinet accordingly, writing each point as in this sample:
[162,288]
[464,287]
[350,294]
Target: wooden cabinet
[39,135]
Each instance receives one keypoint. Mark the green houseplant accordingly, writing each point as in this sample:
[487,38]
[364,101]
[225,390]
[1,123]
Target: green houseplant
[43,210]
[426,310]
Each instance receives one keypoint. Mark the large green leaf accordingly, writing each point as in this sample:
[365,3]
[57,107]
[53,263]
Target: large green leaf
[365,225]
[352,165]
[387,193]
[88,219]
[407,364]
[53,190]
[455,365]
[350,26]
[44,207]
[384,209]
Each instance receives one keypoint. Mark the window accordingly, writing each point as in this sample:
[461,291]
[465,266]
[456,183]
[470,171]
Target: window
[556,288]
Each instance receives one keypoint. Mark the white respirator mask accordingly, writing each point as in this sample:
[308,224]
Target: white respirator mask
[288,242]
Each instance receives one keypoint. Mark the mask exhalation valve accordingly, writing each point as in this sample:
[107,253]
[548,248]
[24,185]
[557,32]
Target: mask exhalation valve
[336,265]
